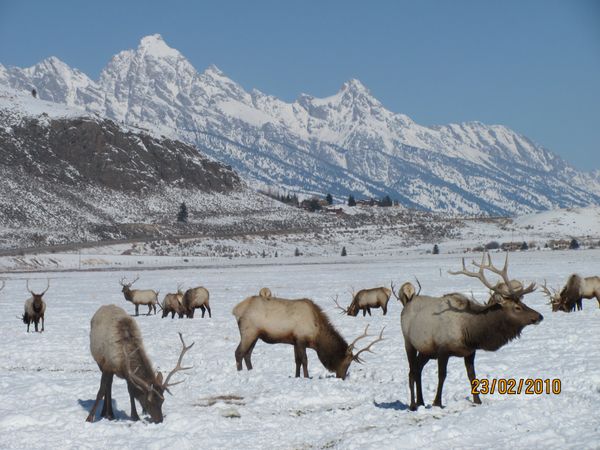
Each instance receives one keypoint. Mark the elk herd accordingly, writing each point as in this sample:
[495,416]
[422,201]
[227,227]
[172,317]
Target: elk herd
[433,327]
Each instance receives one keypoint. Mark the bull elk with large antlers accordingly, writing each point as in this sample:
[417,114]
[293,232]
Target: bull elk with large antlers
[570,296]
[300,323]
[365,299]
[454,325]
[139,296]
[117,347]
[35,308]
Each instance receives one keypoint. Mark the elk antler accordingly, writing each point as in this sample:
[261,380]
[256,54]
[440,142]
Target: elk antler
[394,290]
[178,366]
[123,281]
[553,296]
[419,284]
[355,357]
[335,300]
[515,294]
[33,293]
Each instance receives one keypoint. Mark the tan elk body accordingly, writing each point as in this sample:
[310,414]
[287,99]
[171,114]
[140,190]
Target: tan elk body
[173,304]
[454,325]
[117,347]
[365,299]
[139,296]
[35,308]
[300,323]
[570,296]
[195,298]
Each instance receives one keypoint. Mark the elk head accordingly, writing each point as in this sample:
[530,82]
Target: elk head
[407,292]
[554,297]
[351,310]
[127,286]
[350,356]
[37,297]
[506,294]
[152,393]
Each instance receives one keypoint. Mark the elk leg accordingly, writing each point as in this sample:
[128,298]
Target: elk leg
[369,310]
[411,354]
[421,361]
[442,369]
[107,410]
[28,326]
[470,365]
[364,310]
[42,323]
[302,351]
[209,313]
[384,309]
[242,349]
[203,310]
[134,414]
[137,310]
[35,323]
[99,396]
[149,309]
[298,358]
[248,356]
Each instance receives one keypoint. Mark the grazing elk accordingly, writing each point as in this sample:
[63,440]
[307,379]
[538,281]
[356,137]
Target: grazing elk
[173,304]
[35,308]
[117,347]
[365,299]
[571,295]
[300,323]
[454,325]
[196,298]
[265,292]
[139,296]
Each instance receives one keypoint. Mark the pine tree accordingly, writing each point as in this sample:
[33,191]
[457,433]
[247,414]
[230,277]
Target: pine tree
[276,255]
[34,93]
[264,255]
[329,199]
[524,246]
[436,250]
[574,244]
[344,251]
[351,201]
[297,252]
[182,215]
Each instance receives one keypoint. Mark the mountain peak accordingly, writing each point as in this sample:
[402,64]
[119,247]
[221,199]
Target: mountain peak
[213,70]
[355,86]
[155,45]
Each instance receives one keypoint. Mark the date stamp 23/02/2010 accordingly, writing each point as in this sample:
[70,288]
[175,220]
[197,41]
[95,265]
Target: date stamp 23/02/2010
[513,386]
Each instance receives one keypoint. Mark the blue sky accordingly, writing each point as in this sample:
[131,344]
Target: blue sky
[531,65]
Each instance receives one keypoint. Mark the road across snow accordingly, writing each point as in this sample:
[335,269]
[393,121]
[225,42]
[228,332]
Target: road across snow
[49,381]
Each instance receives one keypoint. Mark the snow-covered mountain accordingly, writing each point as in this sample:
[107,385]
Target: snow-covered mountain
[346,143]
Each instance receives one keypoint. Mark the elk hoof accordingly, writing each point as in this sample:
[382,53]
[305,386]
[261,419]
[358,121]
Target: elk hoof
[413,407]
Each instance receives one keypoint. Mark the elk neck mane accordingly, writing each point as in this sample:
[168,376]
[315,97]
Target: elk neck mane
[129,336]
[330,345]
[491,330]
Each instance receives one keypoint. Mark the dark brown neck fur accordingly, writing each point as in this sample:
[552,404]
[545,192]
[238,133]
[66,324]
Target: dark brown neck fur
[490,329]
[330,346]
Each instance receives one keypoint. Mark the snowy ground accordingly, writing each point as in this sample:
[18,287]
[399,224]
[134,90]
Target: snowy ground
[49,380]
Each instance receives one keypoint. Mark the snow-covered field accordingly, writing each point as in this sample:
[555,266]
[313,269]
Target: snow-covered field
[49,380]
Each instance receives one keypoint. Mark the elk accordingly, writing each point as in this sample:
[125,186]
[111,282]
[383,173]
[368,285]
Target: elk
[196,298]
[139,296]
[173,304]
[117,347]
[454,325]
[300,323]
[571,295]
[406,292]
[365,299]
[35,307]
[265,292]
